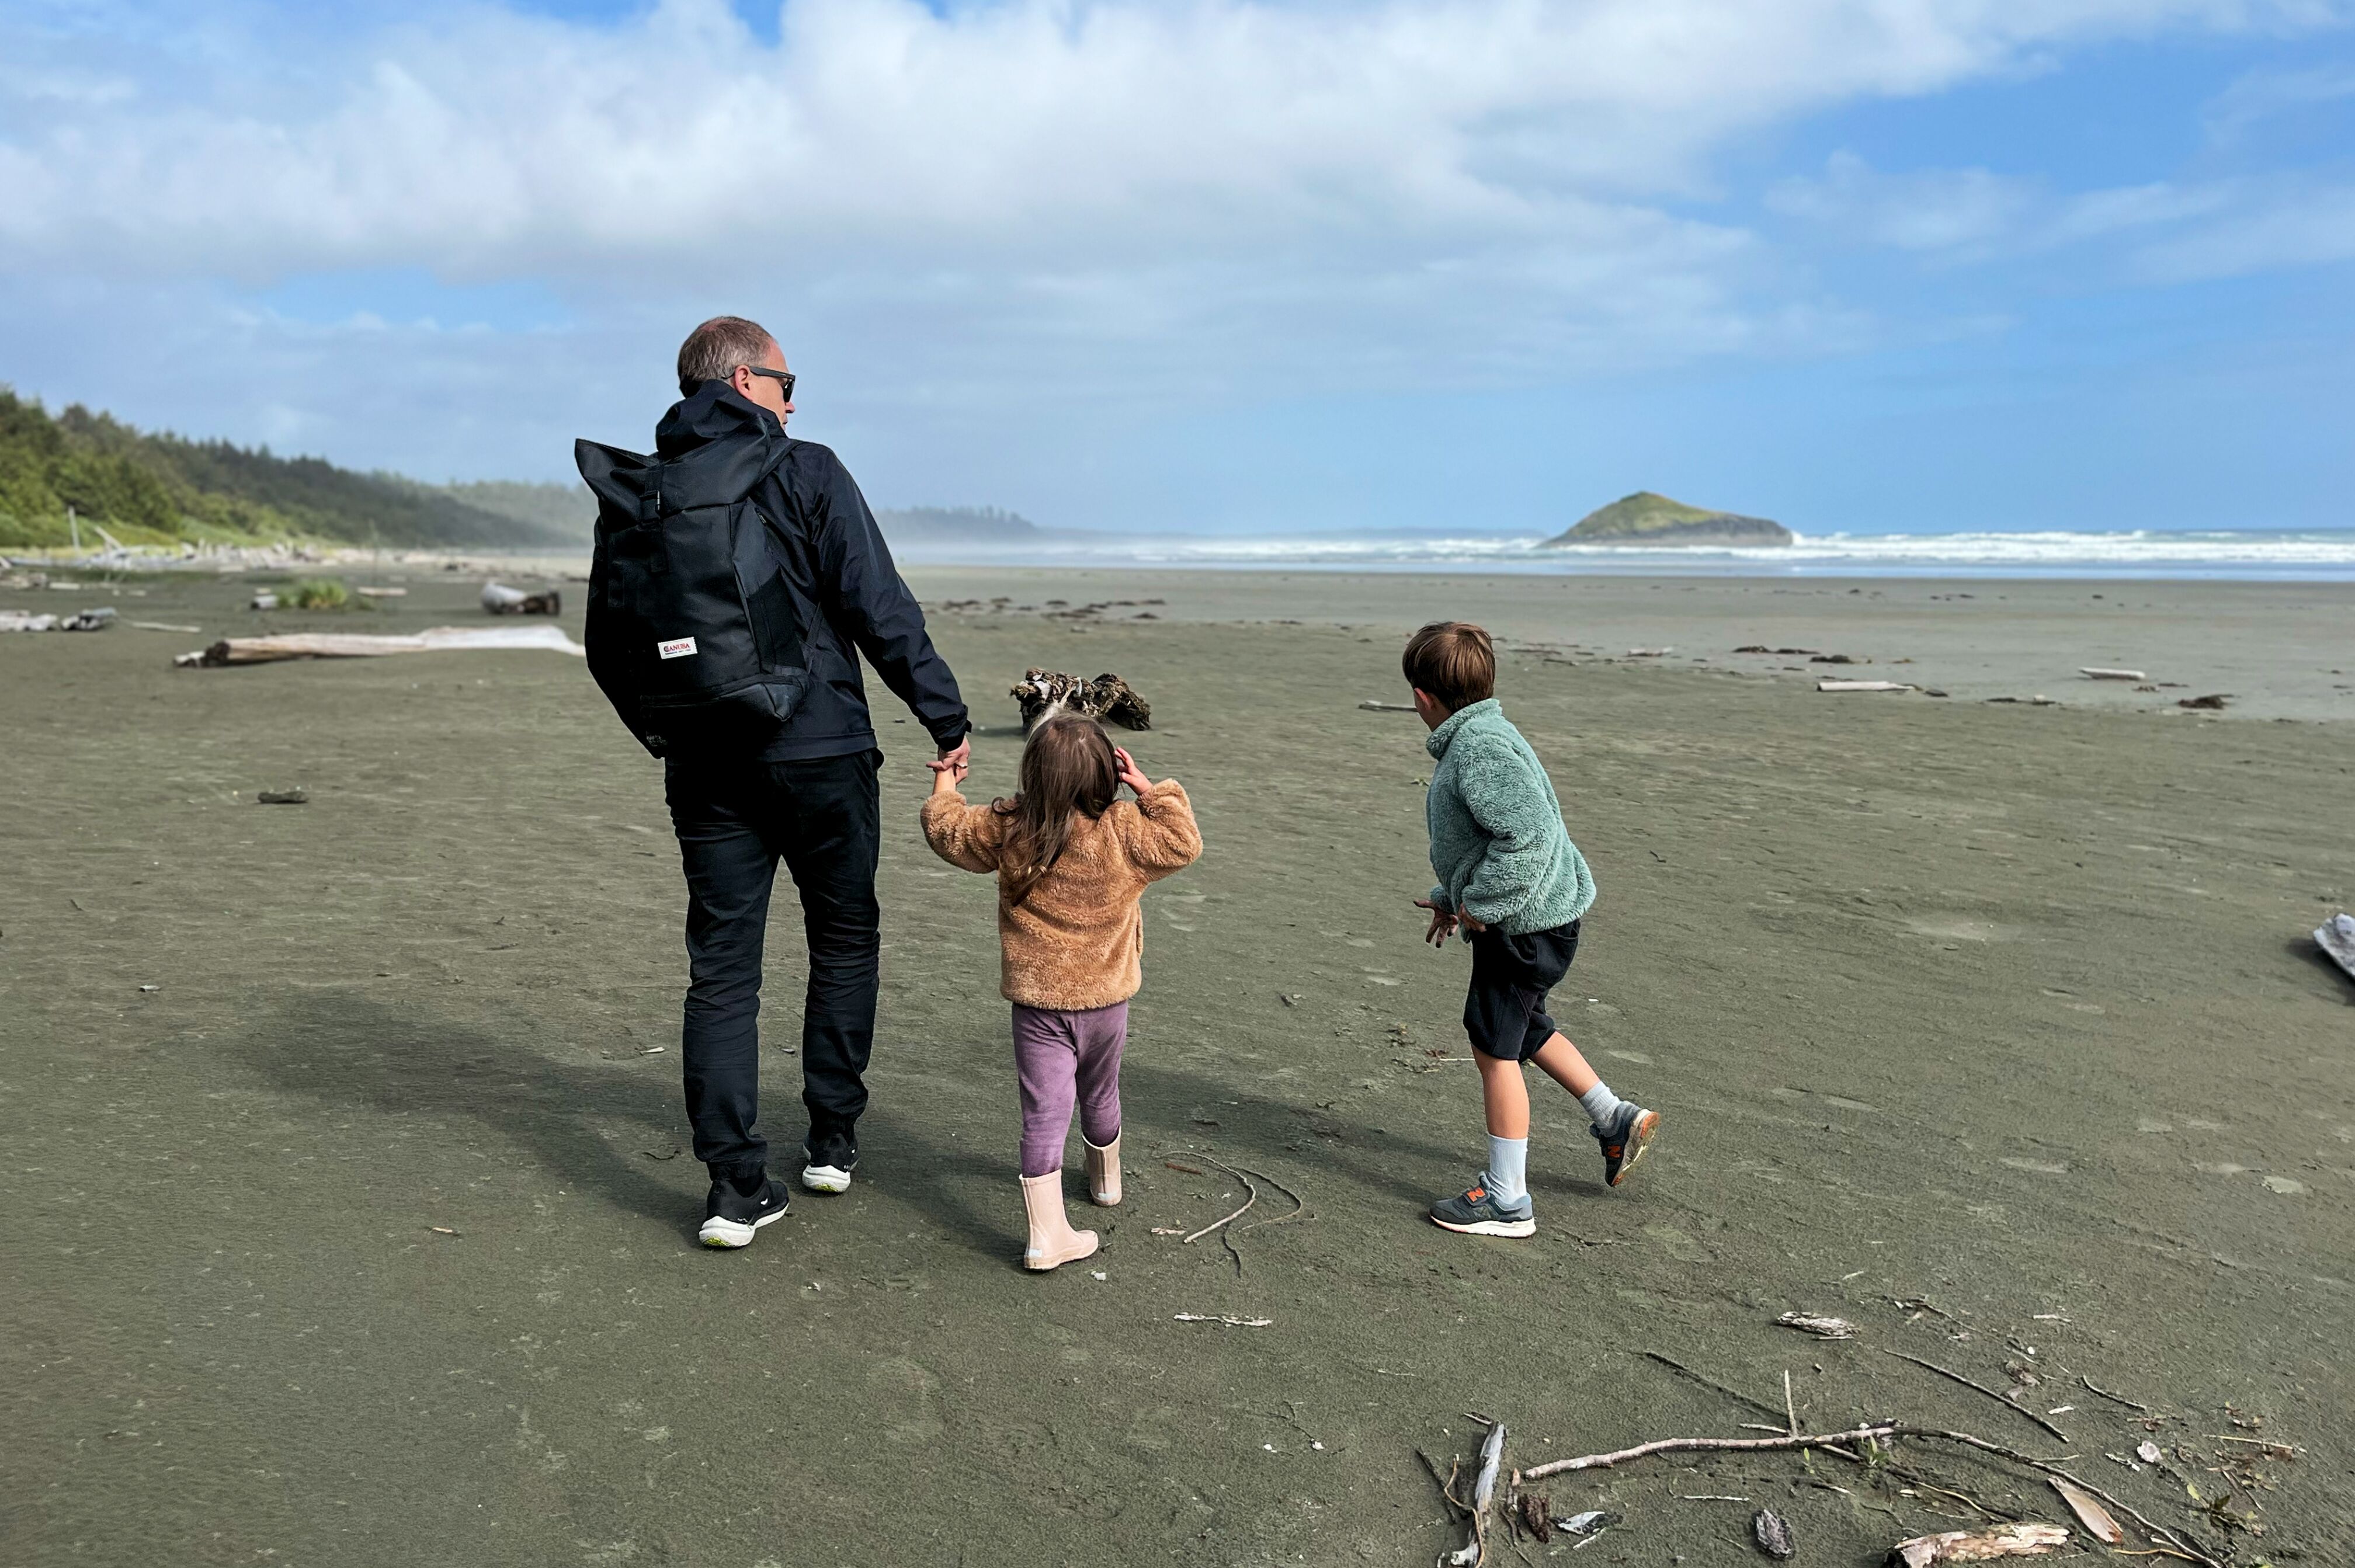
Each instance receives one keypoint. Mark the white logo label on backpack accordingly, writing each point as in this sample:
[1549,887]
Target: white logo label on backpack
[677,648]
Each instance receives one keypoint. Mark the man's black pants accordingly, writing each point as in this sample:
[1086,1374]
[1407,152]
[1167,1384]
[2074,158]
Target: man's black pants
[735,820]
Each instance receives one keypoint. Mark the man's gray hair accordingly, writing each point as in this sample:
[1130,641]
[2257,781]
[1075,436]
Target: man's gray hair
[713,350]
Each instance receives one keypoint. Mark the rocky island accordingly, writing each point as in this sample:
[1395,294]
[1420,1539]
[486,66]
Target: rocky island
[1650,520]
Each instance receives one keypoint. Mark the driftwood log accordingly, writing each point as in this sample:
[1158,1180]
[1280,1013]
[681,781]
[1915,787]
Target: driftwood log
[1044,693]
[354,646]
[498,599]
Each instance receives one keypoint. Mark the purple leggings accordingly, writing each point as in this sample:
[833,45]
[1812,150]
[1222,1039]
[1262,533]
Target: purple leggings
[1061,1057]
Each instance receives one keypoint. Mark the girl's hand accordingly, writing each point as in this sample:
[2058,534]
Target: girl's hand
[947,775]
[1129,773]
[1443,923]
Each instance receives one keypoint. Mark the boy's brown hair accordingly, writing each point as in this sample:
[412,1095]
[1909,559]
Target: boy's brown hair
[1452,660]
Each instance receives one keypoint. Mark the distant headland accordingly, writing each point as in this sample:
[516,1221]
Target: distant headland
[1649,519]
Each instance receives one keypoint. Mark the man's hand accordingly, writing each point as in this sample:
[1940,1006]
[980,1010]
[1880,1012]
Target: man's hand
[1464,915]
[1443,923]
[1130,774]
[957,758]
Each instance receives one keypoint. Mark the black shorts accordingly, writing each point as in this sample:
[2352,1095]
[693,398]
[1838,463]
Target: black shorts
[1504,1012]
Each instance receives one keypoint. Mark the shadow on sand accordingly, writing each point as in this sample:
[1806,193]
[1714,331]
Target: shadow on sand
[360,1055]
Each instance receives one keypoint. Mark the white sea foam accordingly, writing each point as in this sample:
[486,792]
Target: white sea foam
[2319,555]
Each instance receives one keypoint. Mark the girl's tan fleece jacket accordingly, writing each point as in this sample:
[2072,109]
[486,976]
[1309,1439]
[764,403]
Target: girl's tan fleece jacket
[1077,941]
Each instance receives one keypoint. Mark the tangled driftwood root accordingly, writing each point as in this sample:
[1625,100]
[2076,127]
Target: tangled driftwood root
[1044,693]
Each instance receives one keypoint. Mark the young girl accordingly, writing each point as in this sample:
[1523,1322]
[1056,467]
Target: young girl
[1072,861]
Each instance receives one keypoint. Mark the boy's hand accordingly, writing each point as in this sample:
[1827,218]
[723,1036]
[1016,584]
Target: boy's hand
[1443,923]
[1130,774]
[1464,915]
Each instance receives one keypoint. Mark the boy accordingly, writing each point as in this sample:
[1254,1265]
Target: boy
[1509,876]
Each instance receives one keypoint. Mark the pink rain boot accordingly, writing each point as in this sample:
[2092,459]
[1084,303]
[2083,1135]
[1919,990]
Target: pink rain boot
[1053,1243]
[1103,1171]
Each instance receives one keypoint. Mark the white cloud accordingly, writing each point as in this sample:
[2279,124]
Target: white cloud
[1029,132]
[1087,203]
[1928,210]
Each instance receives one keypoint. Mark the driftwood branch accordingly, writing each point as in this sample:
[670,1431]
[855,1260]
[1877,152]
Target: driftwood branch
[2011,1405]
[1239,1214]
[1691,1444]
[1708,1382]
[2177,1542]
[2114,1398]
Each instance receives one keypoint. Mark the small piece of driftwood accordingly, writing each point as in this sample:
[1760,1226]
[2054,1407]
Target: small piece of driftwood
[1862,686]
[2090,1514]
[1224,1319]
[2027,1539]
[1386,707]
[1474,1551]
[1821,1327]
[1957,1377]
[2336,937]
[2093,672]
[2213,701]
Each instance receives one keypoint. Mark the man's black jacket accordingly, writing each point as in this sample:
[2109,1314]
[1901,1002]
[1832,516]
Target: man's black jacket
[846,592]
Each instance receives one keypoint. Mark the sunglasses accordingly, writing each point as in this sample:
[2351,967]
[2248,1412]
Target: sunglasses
[785,375]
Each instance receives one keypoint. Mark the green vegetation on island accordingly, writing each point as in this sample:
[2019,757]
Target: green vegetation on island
[1647,519]
[163,489]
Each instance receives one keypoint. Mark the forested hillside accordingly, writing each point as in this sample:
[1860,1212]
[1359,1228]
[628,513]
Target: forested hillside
[162,488]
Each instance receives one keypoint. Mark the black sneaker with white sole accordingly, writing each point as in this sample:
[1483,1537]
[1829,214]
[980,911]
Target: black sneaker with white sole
[730,1219]
[828,1164]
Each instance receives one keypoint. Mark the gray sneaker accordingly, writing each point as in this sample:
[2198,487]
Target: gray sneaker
[1477,1213]
[1624,1141]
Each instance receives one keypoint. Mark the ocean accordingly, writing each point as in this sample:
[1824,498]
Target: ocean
[2237,554]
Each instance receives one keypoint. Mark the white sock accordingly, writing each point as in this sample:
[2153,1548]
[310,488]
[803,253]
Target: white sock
[1508,1170]
[1602,1105]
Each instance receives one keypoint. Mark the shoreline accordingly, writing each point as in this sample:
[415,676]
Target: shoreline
[2274,650]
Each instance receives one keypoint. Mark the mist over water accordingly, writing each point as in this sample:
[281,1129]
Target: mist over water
[2257,555]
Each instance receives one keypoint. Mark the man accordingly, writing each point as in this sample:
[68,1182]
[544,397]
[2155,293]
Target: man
[804,792]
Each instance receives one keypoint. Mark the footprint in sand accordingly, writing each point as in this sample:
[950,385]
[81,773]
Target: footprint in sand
[2219,1167]
[2152,1124]
[2287,1187]
[2040,1166]
[1637,1056]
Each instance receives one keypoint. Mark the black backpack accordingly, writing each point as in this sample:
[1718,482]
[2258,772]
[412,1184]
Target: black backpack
[692,632]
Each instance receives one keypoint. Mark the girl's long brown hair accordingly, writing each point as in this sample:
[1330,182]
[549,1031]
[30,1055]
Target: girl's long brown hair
[1067,767]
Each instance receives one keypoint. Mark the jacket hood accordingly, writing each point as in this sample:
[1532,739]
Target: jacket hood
[713,446]
[713,411]
[1455,723]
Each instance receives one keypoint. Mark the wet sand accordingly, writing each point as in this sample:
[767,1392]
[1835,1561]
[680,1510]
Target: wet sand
[2007,1008]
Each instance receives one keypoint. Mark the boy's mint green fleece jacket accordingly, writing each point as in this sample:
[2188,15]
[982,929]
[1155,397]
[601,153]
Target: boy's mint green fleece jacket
[1497,838]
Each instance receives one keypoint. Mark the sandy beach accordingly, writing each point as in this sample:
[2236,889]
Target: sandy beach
[350,1208]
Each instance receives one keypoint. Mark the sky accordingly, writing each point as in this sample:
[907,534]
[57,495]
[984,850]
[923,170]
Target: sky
[1231,265]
